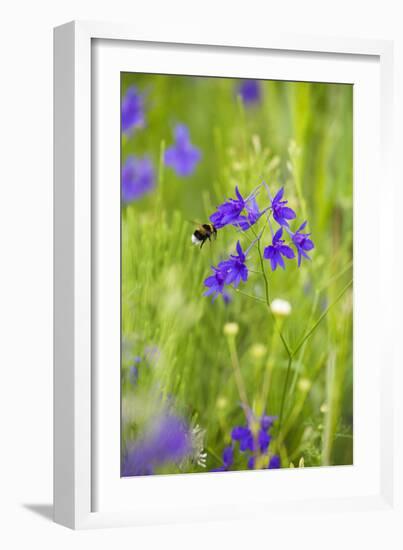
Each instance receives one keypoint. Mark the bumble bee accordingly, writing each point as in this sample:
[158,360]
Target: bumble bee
[203,233]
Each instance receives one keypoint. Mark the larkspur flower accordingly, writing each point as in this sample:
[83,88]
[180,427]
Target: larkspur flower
[244,435]
[132,110]
[235,267]
[302,243]
[281,213]
[250,91]
[229,212]
[167,441]
[274,462]
[253,214]
[138,178]
[277,250]
[227,458]
[216,284]
[183,156]
[252,444]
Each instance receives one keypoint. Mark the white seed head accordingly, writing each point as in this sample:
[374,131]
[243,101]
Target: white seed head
[281,308]
[231,329]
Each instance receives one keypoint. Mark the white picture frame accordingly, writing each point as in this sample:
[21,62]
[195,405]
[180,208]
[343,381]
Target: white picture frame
[87,491]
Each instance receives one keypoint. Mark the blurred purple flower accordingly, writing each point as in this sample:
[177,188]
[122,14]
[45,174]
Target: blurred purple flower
[302,243]
[183,156]
[250,91]
[252,446]
[281,213]
[274,462]
[167,441]
[277,250]
[132,110]
[244,435]
[134,371]
[266,422]
[138,178]
[228,460]
[152,354]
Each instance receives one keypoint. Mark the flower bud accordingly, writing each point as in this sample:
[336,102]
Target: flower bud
[324,408]
[304,385]
[221,402]
[281,308]
[231,329]
[258,351]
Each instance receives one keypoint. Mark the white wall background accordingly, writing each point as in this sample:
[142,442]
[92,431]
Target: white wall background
[26,254]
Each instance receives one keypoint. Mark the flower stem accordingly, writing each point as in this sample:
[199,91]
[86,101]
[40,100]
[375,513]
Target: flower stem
[250,296]
[316,324]
[238,375]
[287,376]
[268,303]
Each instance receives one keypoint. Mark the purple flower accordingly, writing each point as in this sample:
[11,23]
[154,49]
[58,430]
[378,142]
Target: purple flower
[228,460]
[235,267]
[281,213]
[253,216]
[132,110]
[302,243]
[277,250]
[168,440]
[250,445]
[250,91]
[266,422]
[274,462]
[182,156]
[229,212]
[244,435]
[137,178]
[228,272]
[215,284]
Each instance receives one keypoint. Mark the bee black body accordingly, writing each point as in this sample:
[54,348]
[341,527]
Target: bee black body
[203,233]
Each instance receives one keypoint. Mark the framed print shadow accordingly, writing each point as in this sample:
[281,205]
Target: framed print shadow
[213,202]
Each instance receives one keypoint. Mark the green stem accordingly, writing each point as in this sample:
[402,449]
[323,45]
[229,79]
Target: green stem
[313,328]
[250,296]
[238,375]
[287,376]
[268,303]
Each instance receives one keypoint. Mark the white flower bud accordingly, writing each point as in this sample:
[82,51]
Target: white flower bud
[231,329]
[281,308]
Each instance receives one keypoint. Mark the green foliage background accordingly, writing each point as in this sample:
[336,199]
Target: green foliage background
[299,136]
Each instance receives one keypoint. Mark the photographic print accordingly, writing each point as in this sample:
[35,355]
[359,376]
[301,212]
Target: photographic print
[236,274]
